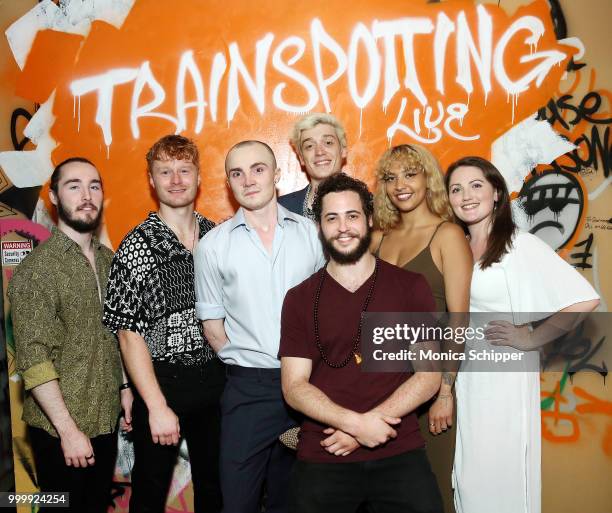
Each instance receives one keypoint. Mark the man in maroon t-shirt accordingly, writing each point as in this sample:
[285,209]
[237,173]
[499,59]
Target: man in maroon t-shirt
[360,443]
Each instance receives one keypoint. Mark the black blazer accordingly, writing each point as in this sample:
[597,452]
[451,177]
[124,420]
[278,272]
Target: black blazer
[294,201]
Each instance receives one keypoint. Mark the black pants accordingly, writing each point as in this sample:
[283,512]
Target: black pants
[193,395]
[89,487]
[399,484]
[254,415]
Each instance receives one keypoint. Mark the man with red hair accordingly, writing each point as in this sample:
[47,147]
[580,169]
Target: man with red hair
[150,304]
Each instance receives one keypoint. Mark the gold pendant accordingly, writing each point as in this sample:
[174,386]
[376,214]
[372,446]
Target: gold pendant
[358,358]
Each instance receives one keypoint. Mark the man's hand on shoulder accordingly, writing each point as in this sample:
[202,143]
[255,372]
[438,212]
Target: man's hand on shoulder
[76,447]
[339,443]
[164,424]
[374,428]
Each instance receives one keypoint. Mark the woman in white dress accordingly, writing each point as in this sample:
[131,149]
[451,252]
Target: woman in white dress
[497,454]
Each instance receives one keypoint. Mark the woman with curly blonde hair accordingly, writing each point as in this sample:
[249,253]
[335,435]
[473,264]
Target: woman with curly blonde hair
[386,212]
[415,231]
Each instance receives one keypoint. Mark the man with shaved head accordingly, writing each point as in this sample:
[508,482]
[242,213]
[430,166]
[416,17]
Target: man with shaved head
[243,268]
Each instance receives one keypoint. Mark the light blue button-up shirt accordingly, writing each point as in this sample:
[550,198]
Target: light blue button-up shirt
[236,279]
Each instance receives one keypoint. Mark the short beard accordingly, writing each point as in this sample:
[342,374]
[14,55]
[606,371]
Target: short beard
[347,258]
[79,225]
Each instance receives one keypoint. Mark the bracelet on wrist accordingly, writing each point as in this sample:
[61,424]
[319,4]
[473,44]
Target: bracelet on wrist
[125,386]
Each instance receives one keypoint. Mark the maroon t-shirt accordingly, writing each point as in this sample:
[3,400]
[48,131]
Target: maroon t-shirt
[396,290]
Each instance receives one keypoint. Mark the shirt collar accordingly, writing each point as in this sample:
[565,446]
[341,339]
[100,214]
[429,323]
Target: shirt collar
[65,243]
[283,215]
[286,215]
[156,220]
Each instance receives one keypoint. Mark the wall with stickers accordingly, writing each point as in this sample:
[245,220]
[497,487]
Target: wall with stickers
[526,83]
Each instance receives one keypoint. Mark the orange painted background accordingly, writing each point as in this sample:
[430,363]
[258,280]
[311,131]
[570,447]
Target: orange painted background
[158,33]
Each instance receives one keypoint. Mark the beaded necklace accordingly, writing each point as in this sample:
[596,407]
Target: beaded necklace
[353,352]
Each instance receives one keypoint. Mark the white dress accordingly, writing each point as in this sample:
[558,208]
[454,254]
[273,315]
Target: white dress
[497,454]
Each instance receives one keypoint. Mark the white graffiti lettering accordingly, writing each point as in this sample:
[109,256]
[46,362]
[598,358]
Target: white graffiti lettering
[454,112]
[376,46]
[299,78]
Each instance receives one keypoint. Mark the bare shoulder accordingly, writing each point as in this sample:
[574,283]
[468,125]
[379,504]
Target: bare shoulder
[450,243]
[450,233]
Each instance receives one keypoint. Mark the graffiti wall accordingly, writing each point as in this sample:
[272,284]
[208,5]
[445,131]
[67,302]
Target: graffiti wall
[8,104]
[526,83]
[568,204]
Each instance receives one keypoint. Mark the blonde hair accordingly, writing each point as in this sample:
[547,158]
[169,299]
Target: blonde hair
[312,120]
[386,215]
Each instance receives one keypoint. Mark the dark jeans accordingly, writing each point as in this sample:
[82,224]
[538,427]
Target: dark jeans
[89,487]
[399,484]
[254,415]
[193,395]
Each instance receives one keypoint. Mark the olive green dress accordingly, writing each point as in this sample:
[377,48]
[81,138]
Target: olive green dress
[440,448]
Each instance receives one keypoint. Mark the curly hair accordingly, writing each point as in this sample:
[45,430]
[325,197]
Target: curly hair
[386,215]
[173,147]
[341,182]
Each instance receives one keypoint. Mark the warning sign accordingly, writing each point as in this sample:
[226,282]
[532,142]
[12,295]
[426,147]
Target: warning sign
[13,252]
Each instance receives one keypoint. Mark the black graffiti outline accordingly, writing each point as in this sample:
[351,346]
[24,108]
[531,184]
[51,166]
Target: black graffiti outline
[6,211]
[576,346]
[560,27]
[585,255]
[118,489]
[16,114]
[530,188]
[596,145]
[597,148]
[584,365]
[584,110]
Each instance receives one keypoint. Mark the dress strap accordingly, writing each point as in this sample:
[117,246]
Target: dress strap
[377,252]
[434,233]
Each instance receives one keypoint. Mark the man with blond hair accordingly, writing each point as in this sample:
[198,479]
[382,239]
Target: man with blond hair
[150,304]
[319,141]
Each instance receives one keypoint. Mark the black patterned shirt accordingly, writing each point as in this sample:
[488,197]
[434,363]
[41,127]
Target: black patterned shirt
[151,292]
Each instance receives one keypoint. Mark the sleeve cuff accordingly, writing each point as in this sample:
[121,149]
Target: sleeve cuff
[39,374]
[114,323]
[206,311]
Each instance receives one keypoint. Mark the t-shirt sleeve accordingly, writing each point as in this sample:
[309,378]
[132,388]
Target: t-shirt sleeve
[295,340]
[131,265]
